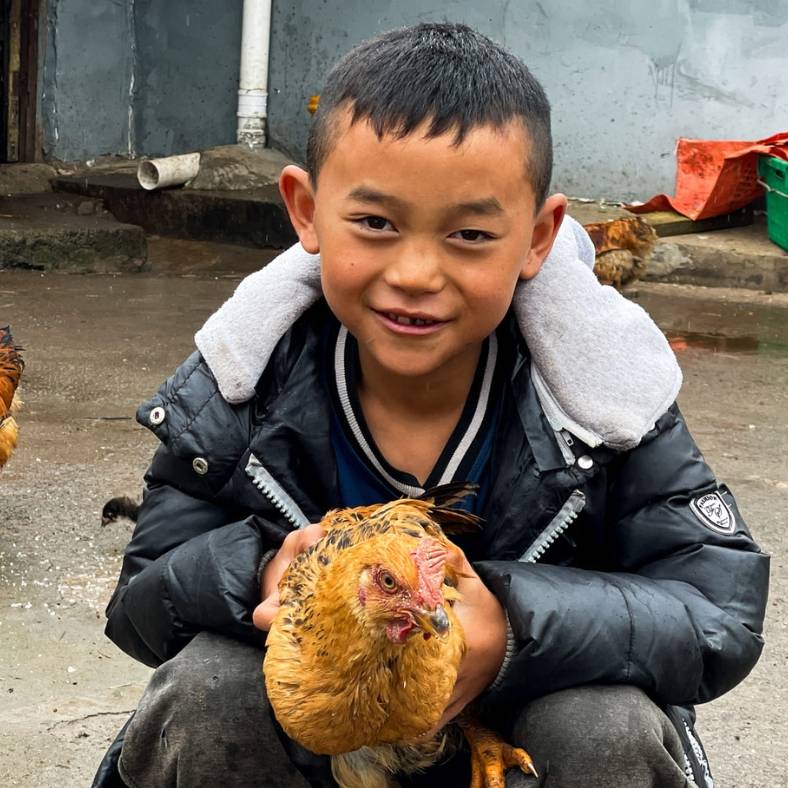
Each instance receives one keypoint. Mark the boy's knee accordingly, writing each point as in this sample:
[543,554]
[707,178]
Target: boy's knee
[210,677]
[590,717]
[205,713]
[595,731]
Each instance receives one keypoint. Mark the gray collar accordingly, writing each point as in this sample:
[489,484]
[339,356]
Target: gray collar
[601,367]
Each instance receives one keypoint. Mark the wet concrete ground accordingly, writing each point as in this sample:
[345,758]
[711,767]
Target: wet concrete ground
[96,346]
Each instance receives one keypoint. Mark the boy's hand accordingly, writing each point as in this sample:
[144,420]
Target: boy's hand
[484,621]
[294,543]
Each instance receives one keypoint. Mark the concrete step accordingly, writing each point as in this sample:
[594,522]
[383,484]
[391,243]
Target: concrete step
[739,257]
[251,218]
[25,178]
[48,231]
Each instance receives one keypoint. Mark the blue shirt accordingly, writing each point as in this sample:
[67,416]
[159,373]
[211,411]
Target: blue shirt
[365,476]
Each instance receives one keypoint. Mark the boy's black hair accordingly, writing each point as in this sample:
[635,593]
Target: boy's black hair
[447,73]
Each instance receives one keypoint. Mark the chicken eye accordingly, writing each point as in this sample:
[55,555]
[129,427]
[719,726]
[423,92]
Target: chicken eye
[387,582]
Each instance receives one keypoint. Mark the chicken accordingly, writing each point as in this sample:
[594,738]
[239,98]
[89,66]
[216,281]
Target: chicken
[622,247]
[11,366]
[121,507]
[363,654]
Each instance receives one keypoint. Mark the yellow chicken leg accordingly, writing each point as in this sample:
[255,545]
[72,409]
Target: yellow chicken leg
[491,756]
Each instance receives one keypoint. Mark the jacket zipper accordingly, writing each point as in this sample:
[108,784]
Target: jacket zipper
[565,443]
[556,415]
[567,514]
[265,482]
[276,494]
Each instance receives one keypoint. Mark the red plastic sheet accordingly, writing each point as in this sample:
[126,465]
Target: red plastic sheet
[715,177]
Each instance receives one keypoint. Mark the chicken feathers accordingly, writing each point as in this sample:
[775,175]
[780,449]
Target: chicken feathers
[362,656]
[11,366]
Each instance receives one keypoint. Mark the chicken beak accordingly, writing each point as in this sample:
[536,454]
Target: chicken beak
[439,621]
[434,622]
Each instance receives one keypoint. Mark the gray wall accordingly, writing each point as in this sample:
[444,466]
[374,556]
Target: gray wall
[188,60]
[139,77]
[625,77]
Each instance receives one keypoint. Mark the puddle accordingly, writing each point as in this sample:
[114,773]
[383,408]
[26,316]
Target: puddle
[723,343]
[683,340]
[726,343]
[718,326]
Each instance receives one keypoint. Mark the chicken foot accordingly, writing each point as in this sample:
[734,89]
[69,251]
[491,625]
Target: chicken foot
[491,756]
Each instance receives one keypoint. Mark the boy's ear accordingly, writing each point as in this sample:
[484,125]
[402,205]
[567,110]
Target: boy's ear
[546,226]
[295,186]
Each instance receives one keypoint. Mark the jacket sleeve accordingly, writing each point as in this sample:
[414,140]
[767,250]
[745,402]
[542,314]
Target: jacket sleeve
[192,562]
[680,614]
[188,568]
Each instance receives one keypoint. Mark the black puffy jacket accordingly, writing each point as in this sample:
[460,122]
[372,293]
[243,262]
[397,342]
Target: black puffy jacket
[641,588]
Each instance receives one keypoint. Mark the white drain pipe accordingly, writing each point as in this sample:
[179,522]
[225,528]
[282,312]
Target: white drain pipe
[170,171]
[253,89]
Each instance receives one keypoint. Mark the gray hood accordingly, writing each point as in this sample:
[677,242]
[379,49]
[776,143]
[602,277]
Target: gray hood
[602,369]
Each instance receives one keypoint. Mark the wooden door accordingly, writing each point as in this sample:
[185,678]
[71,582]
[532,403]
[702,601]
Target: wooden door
[18,79]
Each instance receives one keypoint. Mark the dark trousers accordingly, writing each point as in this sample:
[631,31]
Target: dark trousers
[204,720]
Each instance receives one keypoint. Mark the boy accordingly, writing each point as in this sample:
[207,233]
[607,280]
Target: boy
[453,334]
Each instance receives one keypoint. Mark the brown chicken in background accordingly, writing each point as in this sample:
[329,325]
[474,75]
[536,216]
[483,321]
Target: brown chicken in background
[363,654]
[622,247]
[11,366]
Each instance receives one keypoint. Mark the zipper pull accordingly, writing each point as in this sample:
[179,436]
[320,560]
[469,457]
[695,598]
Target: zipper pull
[565,443]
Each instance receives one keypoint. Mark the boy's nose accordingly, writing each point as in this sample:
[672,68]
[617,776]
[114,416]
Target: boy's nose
[415,270]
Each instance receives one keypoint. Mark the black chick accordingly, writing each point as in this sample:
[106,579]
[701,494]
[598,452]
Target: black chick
[122,506]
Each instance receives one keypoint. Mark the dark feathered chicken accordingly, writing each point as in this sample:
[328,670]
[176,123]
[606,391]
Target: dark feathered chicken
[116,508]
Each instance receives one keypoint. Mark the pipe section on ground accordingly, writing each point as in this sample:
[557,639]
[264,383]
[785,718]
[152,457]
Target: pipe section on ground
[169,171]
[253,88]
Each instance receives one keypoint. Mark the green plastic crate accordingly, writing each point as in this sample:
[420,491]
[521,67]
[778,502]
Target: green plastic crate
[774,178]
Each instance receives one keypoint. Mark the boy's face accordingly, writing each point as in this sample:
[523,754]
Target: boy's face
[422,243]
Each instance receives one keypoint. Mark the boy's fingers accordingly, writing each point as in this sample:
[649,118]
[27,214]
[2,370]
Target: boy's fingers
[311,534]
[452,710]
[294,543]
[263,614]
[456,558]
[298,541]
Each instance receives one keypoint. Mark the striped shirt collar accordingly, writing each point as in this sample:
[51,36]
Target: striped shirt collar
[462,447]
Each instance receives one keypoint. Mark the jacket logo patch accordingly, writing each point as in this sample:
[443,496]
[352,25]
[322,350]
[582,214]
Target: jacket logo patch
[714,513]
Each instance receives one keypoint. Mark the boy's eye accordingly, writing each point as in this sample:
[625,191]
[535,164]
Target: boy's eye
[472,236]
[377,223]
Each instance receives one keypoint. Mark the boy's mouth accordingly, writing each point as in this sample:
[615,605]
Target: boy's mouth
[409,323]
[403,320]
